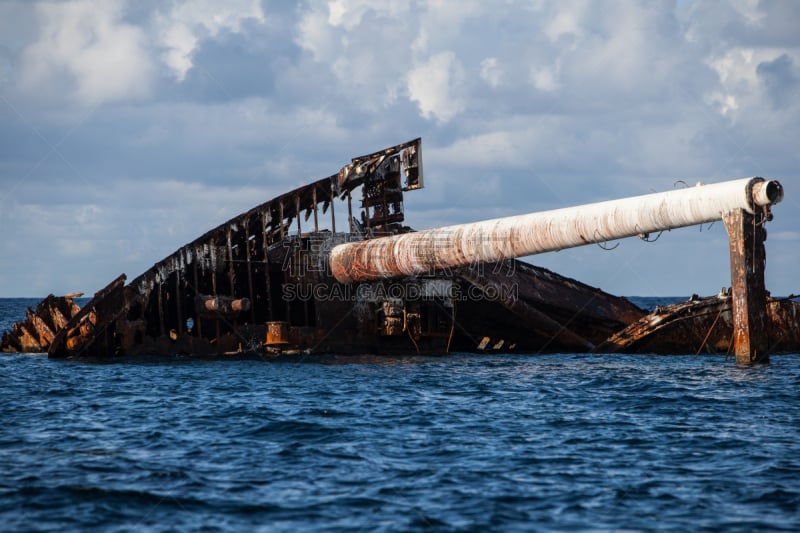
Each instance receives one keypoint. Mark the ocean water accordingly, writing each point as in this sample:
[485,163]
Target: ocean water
[563,442]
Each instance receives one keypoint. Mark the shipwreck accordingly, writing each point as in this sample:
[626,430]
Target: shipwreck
[292,276]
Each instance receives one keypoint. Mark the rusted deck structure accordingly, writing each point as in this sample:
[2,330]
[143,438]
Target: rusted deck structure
[705,326]
[330,267]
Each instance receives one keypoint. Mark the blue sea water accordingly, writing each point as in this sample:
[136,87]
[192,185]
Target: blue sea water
[563,442]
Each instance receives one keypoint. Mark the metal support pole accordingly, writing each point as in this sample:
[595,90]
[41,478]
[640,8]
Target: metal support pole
[231,271]
[280,216]
[214,260]
[265,249]
[746,235]
[248,252]
[333,212]
[350,211]
[297,213]
[196,291]
[160,307]
[316,207]
[178,303]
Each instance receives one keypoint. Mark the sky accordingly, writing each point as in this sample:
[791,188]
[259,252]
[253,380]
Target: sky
[129,128]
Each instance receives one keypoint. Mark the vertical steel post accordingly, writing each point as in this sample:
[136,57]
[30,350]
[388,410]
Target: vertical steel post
[249,269]
[178,298]
[196,291]
[283,233]
[350,211]
[231,271]
[316,215]
[333,212]
[746,235]
[214,251]
[160,308]
[265,249]
[297,212]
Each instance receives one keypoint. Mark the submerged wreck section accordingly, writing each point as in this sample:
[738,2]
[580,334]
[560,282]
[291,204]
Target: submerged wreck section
[289,277]
[705,325]
[37,331]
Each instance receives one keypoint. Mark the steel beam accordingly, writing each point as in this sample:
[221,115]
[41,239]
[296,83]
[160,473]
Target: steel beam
[746,235]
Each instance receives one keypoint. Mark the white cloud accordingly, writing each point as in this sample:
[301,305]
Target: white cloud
[436,87]
[383,51]
[624,48]
[105,59]
[750,10]
[364,44]
[348,14]
[180,43]
[181,29]
[523,105]
[564,24]
[491,71]
[496,149]
[739,84]
[440,23]
[545,79]
[735,67]
[318,36]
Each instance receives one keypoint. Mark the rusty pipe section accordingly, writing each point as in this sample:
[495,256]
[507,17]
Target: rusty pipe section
[223,305]
[426,251]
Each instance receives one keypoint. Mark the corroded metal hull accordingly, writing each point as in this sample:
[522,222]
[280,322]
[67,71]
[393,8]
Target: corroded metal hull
[261,284]
[287,277]
[704,326]
[494,308]
[37,331]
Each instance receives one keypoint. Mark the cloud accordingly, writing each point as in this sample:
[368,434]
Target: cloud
[209,108]
[88,47]
[545,79]
[348,14]
[780,79]
[491,71]
[364,45]
[435,85]
[180,30]
[751,80]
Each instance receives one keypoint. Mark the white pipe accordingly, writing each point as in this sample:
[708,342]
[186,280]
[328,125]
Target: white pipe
[517,236]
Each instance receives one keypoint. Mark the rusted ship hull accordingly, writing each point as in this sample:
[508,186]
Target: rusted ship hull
[704,326]
[260,283]
[495,308]
[282,279]
[36,332]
